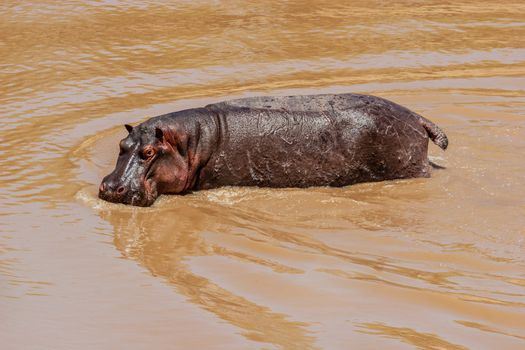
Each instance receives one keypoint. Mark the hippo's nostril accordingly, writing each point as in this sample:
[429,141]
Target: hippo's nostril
[120,190]
[102,187]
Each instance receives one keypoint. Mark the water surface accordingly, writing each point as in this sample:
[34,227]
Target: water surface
[433,263]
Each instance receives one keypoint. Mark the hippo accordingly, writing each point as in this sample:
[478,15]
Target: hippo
[286,141]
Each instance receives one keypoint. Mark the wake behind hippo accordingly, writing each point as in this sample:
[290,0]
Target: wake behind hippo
[292,141]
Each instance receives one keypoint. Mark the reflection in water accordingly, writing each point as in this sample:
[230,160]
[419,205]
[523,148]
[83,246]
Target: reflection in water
[163,241]
[426,263]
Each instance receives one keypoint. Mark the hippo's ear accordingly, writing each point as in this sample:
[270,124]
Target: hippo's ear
[128,127]
[159,134]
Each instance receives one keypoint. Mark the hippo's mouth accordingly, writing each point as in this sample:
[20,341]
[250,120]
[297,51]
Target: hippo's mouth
[135,199]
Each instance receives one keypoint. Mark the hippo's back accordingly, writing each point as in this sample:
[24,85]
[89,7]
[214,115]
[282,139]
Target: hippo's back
[307,103]
[316,140]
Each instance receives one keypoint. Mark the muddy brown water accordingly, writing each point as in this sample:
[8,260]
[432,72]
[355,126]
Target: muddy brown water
[433,263]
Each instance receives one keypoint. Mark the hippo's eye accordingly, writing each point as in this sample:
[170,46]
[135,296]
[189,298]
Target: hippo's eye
[148,153]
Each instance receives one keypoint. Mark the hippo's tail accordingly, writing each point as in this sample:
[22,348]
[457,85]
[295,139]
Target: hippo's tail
[434,132]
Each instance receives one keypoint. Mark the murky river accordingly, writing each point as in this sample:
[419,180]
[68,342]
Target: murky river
[433,263]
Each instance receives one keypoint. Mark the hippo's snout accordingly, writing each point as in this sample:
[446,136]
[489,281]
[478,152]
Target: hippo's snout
[109,188]
[112,191]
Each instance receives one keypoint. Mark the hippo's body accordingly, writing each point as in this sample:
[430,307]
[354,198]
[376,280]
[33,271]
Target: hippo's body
[292,141]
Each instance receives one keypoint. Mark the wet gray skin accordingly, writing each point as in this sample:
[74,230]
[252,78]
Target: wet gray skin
[290,141]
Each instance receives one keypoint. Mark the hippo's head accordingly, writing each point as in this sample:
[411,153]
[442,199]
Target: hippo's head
[147,166]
